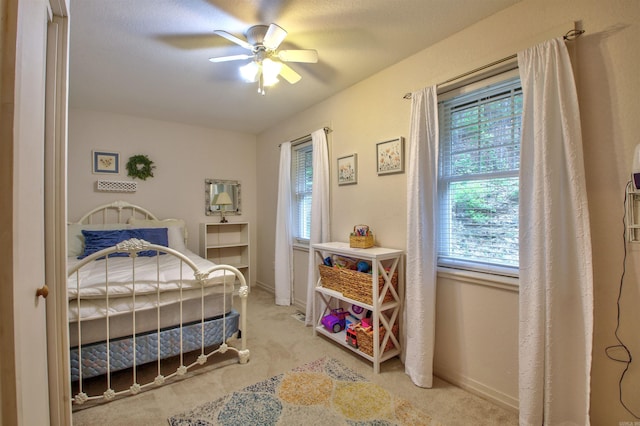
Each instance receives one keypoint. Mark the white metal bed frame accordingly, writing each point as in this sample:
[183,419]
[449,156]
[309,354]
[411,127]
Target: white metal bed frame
[124,211]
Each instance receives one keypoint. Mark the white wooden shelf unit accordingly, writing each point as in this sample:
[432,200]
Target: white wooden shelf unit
[386,314]
[226,243]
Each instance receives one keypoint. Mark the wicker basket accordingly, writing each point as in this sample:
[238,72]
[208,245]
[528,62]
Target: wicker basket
[358,286]
[360,242]
[330,278]
[365,339]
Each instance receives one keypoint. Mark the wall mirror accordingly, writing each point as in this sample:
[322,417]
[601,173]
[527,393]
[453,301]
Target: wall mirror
[213,187]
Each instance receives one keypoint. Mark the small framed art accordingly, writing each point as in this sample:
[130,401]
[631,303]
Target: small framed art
[390,156]
[105,162]
[348,169]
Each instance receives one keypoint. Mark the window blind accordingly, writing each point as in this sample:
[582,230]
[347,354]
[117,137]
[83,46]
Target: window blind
[302,179]
[479,178]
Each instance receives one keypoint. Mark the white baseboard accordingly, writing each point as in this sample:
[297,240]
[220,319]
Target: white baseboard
[300,304]
[494,395]
[265,287]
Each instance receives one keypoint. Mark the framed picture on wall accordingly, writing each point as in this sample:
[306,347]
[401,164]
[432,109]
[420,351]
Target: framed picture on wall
[390,156]
[348,169]
[104,162]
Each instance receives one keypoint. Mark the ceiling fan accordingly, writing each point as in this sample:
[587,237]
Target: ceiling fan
[267,61]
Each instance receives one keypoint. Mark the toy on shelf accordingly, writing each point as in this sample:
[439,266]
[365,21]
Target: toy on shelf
[349,320]
[358,311]
[363,266]
[345,262]
[352,335]
[335,321]
[366,323]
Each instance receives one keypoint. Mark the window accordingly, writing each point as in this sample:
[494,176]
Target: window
[302,184]
[478,182]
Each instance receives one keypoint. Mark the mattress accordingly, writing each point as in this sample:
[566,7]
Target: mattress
[167,270]
[160,282]
[94,358]
[94,330]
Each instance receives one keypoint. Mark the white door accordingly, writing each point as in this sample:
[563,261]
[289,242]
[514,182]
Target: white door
[25,391]
[32,396]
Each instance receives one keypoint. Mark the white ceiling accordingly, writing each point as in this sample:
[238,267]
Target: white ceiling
[149,58]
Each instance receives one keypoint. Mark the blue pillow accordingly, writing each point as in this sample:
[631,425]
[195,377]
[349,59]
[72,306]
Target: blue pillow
[159,236]
[96,240]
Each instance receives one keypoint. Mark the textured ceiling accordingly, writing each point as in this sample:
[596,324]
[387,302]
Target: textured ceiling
[149,58]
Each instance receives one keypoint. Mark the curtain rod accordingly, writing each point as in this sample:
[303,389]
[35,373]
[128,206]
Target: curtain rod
[570,35]
[305,137]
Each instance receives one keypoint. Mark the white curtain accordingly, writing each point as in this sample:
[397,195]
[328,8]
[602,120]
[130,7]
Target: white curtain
[420,288]
[320,219]
[556,278]
[284,249]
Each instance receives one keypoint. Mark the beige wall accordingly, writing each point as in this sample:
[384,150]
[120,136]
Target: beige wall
[471,350]
[184,157]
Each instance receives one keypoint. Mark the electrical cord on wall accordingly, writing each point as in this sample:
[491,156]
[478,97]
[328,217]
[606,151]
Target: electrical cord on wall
[610,349]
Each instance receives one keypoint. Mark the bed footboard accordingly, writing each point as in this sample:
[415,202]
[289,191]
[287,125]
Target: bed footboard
[204,337]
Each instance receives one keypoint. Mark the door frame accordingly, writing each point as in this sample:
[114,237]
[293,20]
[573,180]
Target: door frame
[55,200]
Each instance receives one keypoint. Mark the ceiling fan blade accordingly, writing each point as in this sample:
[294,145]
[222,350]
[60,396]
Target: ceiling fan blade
[289,74]
[274,36]
[305,55]
[231,58]
[234,39]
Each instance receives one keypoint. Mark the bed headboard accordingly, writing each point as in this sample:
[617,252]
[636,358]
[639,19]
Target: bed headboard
[121,212]
[116,212]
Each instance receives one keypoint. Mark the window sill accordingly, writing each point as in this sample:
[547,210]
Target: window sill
[301,247]
[480,278]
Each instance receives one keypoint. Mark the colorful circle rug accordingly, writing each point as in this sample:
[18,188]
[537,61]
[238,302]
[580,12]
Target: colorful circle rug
[323,392]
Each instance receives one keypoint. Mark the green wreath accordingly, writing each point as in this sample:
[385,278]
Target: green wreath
[139,166]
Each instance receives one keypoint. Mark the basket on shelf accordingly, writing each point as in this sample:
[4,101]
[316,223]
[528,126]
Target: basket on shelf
[358,286]
[360,242]
[361,237]
[330,277]
[365,338]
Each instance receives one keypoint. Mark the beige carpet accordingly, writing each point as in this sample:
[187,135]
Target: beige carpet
[278,343]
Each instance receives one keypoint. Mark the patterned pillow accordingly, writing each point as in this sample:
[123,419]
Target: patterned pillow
[96,240]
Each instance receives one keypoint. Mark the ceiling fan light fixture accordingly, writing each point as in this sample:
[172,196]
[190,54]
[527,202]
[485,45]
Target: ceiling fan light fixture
[250,72]
[268,63]
[270,71]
